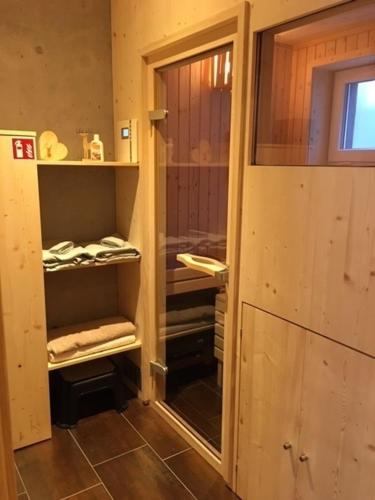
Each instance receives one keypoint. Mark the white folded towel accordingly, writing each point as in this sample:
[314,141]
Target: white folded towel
[61,248]
[98,251]
[113,241]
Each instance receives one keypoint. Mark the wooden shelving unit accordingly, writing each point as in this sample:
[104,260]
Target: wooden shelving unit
[90,357]
[72,163]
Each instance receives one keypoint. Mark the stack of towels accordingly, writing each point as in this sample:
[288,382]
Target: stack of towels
[71,342]
[184,319]
[67,254]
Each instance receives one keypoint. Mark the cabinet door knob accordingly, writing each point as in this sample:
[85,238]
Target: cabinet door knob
[303,457]
[287,445]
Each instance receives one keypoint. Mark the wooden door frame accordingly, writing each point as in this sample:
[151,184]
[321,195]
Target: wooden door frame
[7,468]
[231,26]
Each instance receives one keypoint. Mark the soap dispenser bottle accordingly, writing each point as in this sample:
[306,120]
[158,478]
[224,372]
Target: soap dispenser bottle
[96,149]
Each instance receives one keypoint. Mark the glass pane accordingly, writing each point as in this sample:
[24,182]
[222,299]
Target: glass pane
[364,122]
[193,169]
[297,120]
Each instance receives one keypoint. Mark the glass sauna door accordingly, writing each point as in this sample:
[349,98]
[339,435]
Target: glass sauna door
[192,196]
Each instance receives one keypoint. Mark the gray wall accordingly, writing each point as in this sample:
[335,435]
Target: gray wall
[56,69]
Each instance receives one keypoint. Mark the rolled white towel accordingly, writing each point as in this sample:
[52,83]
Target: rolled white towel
[113,241]
[61,248]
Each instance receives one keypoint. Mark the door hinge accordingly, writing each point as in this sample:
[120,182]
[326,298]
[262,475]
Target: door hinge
[157,114]
[158,367]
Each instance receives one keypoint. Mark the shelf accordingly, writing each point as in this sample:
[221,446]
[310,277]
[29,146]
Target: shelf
[90,357]
[95,264]
[86,163]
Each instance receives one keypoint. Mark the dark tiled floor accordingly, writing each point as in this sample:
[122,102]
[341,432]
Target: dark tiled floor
[131,456]
[200,404]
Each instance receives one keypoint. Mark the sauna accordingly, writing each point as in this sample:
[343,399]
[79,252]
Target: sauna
[320,79]
[193,202]
[187,221]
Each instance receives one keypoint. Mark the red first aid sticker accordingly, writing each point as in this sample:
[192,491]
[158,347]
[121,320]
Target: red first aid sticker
[23,149]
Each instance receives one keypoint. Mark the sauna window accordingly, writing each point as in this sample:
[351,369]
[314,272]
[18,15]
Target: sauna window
[315,96]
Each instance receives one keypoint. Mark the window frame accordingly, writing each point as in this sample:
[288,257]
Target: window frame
[341,79]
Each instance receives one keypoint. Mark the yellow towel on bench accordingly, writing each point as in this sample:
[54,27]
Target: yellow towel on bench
[70,338]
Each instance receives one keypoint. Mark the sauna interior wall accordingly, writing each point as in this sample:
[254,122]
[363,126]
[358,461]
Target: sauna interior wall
[57,69]
[294,125]
[197,137]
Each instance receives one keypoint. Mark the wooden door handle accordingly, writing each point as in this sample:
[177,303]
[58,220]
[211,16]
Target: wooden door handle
[206,265]
[303,458]
[287,445]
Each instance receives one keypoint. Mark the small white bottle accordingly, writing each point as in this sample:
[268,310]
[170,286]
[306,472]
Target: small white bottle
[96,149]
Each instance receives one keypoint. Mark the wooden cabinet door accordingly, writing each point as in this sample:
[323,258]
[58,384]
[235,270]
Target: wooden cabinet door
[272,358]
[338,424]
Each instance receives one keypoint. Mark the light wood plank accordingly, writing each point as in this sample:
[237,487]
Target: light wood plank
[338,435]
[308,253]
[272,360]
[7,469]
[22,295]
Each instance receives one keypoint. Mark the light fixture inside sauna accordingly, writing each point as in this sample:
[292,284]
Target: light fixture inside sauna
[221,70]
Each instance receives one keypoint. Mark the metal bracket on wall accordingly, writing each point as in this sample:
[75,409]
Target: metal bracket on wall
[157,114]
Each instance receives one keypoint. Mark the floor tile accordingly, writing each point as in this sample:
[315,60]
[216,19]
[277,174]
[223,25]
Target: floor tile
[201,479]
[55,468]
[106,435]
[198,421]
[140,475]
[96,493]
[154,429]
[207,401]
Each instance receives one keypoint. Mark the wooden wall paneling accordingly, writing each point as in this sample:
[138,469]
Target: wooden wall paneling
[183,152]
[272,361]
[224,170]
[265,90]
[341,45]
[321,103]
[213,184]
[338,435]
[7,468]
[351,43]
[22,296]
[277,12]
[363,40]
[205,127]
[195,135]
[291,115]
[312,261]
[280,92]
[298,128]
[173,85]
[306,113]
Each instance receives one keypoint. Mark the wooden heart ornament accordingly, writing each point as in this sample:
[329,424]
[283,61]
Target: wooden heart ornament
[50,148]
